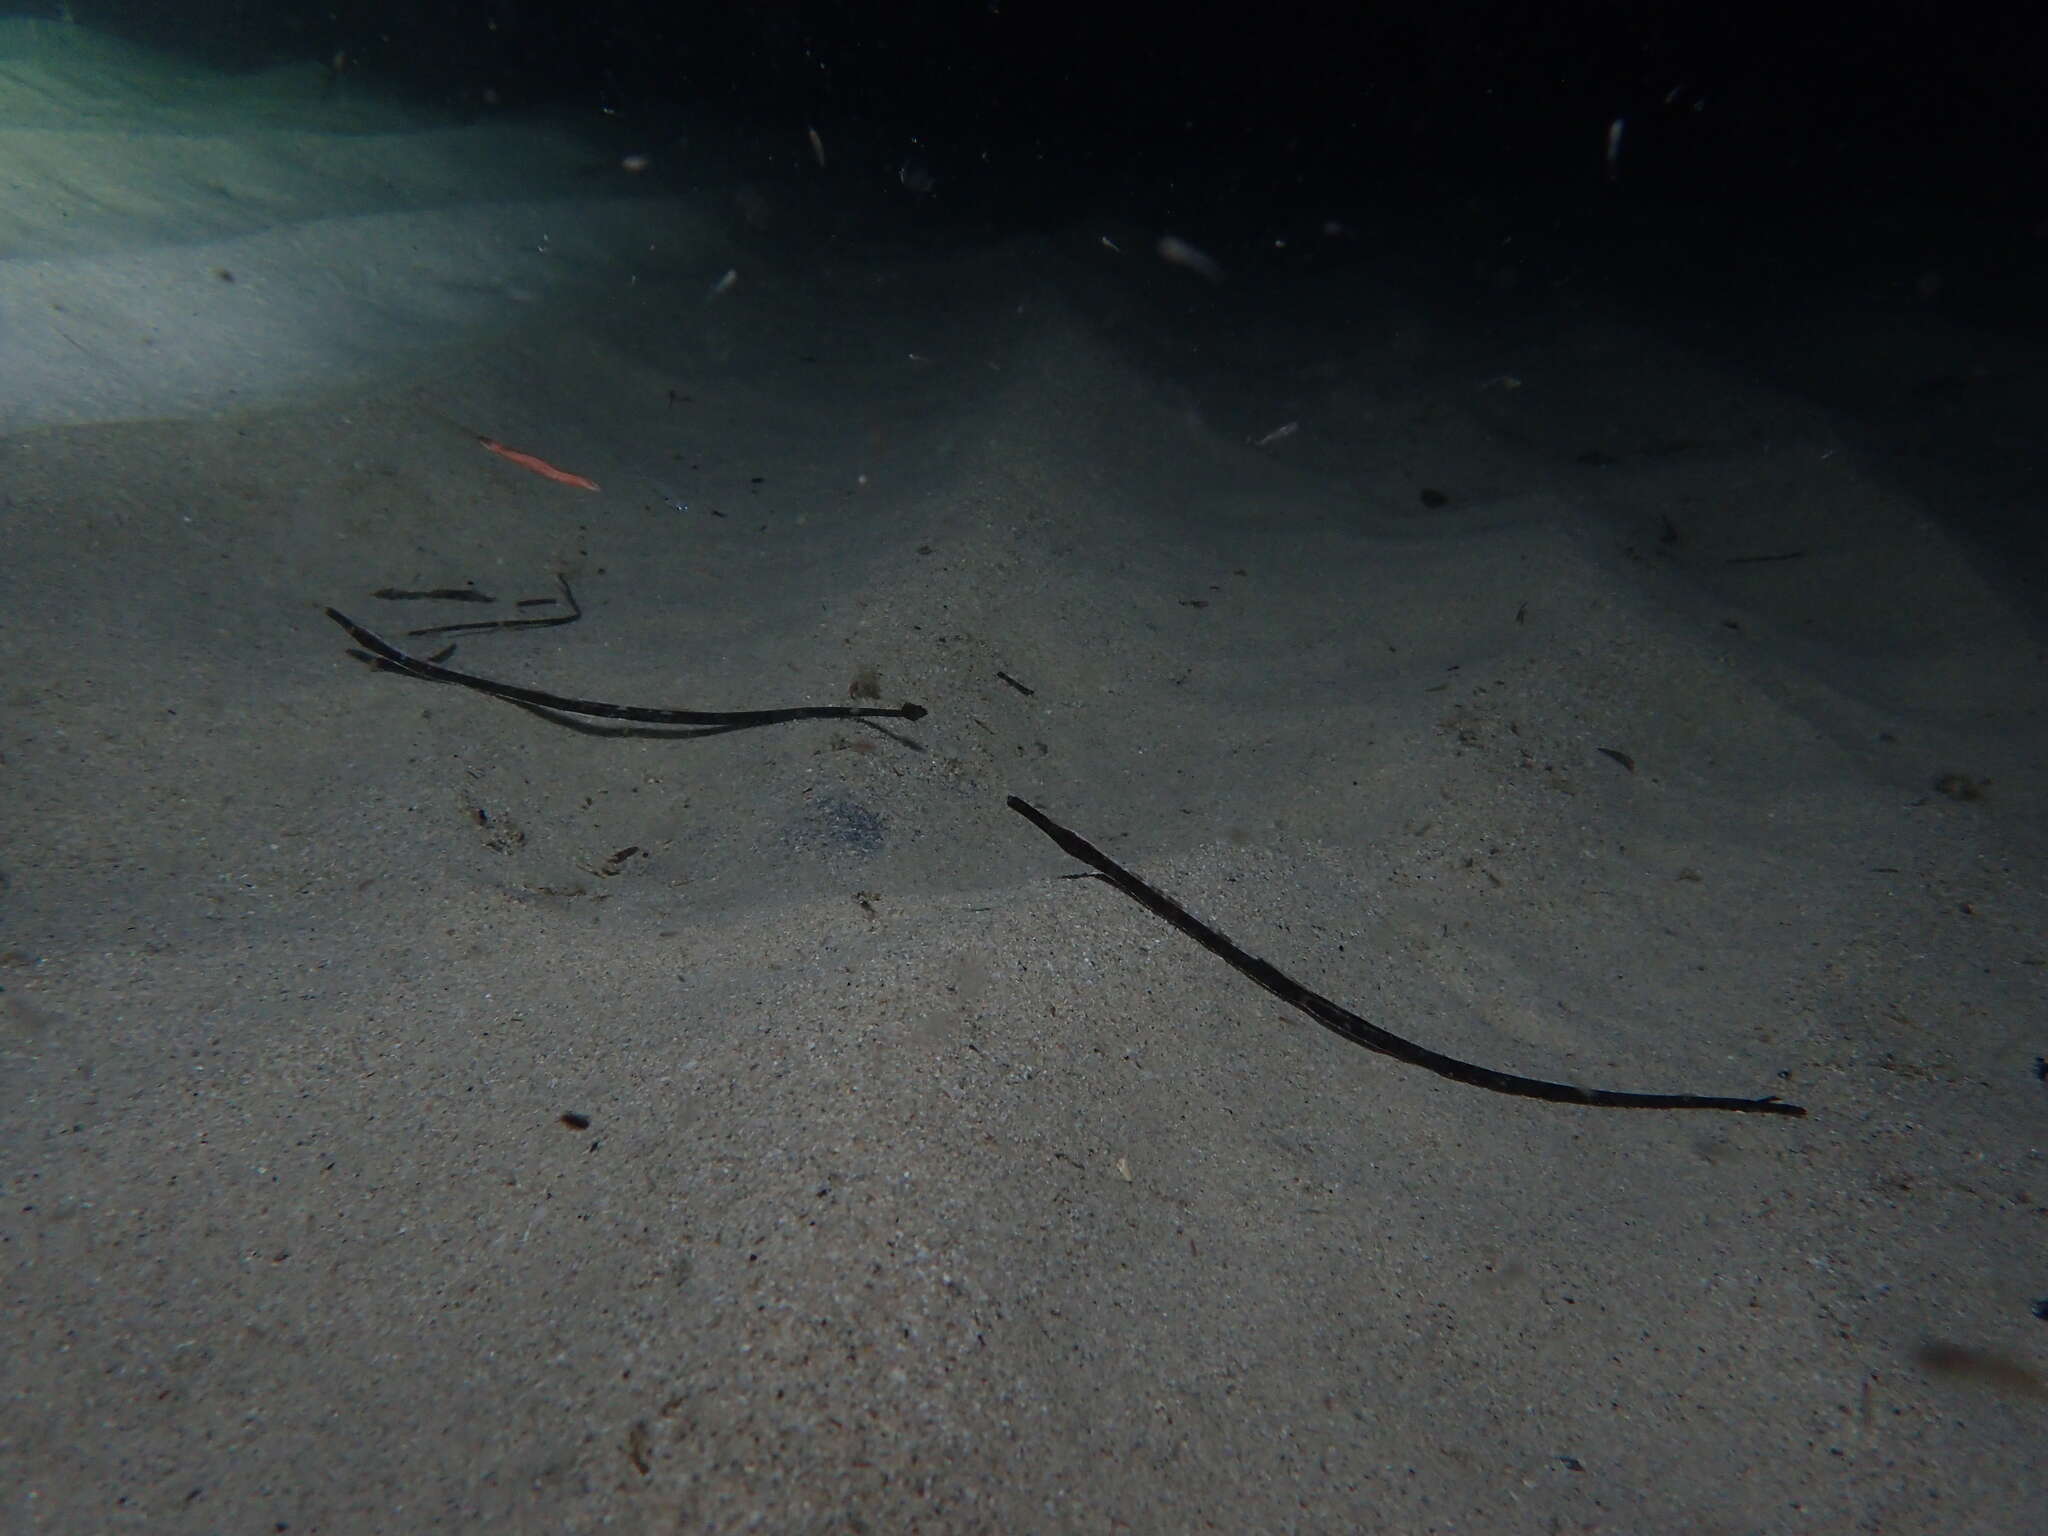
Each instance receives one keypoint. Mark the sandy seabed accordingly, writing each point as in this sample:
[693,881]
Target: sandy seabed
[424,1114]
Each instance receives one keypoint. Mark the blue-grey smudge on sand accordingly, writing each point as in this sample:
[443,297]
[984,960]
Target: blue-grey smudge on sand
[835,822]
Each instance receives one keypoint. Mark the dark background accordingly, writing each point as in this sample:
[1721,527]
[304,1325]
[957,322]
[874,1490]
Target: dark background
[1788,174]
[1741,103]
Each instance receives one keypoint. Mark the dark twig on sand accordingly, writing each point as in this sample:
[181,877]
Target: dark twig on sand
[1359,1031]
[381,653]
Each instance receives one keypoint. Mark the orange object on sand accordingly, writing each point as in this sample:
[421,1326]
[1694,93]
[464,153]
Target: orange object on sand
[538,466]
